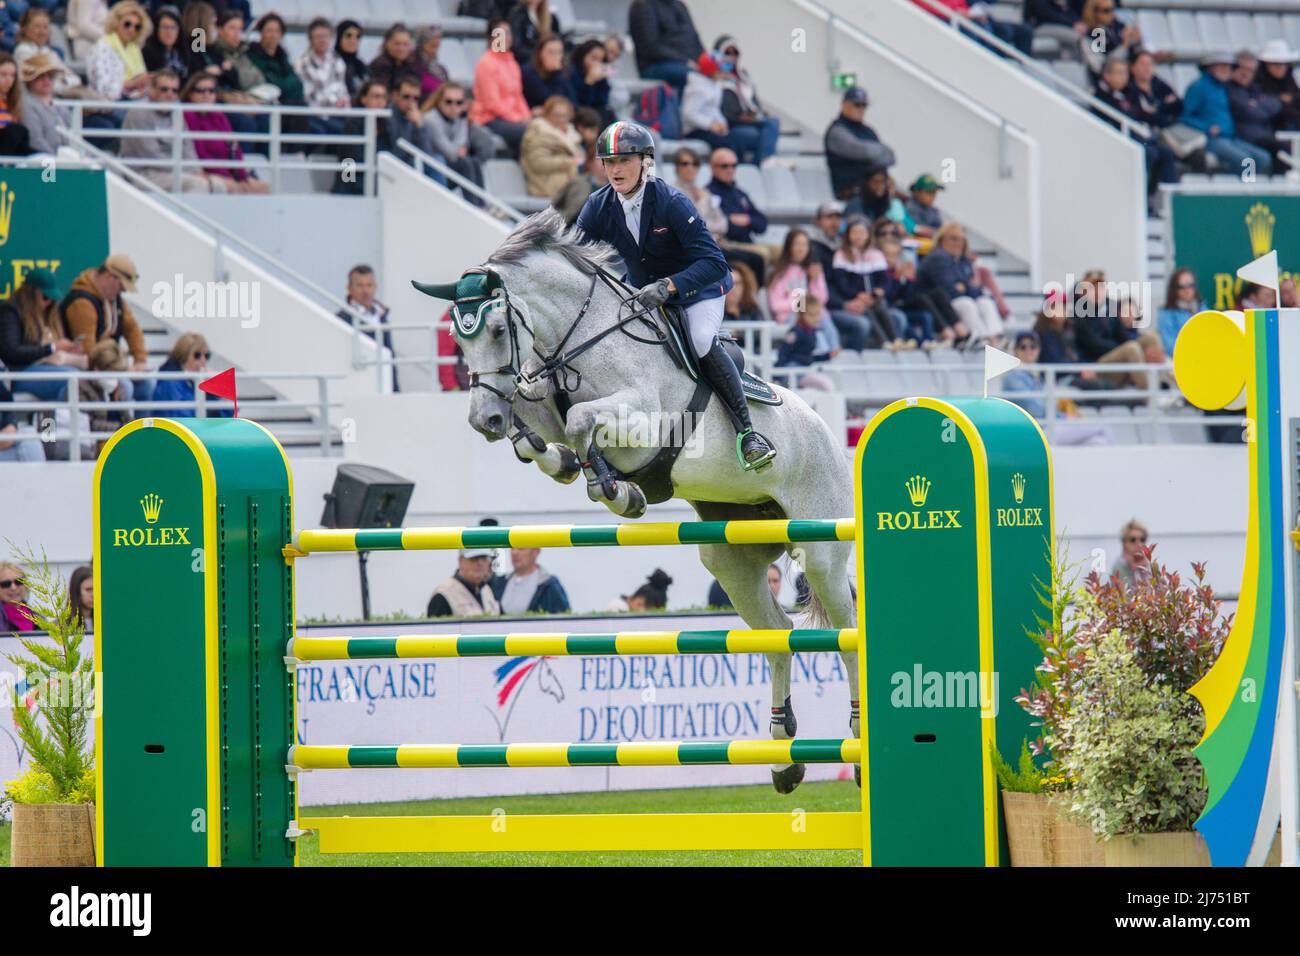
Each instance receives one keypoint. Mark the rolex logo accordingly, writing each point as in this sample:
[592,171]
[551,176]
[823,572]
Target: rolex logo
[6,211]
[152,507]
[1259,225]
[918,489]
[1018,487]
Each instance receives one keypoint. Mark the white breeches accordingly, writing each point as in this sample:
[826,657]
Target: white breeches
[705,320]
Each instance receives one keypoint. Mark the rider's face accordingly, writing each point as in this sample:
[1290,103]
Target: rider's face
[623,172]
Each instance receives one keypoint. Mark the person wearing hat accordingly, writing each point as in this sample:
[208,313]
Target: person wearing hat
[31,338]
[852,147]
[39,114]
[924,189]
[1277,78]
[1208,108]
[467,592]
[94,310]
[1028,349]
[1254,112]
[825,234]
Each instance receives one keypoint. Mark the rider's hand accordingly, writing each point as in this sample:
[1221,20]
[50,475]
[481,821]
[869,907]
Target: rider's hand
[653,295]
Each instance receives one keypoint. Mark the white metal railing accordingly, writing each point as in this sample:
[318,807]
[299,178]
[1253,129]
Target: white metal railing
[49,431]
[276,138]
[423,159]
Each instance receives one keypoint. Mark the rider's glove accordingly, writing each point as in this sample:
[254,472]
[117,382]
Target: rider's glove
[653,295]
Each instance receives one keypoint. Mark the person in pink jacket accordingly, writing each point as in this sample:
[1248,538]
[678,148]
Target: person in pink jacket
[499,102]
[796,276]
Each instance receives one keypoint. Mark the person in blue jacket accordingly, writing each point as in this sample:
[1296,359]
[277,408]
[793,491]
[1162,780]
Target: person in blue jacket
[189,354]
[1207,107]
[672,257]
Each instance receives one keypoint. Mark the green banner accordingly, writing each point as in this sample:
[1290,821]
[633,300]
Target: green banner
[51,218]
[1215,235]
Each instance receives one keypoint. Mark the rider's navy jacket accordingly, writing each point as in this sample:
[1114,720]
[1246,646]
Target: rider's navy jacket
[674,242]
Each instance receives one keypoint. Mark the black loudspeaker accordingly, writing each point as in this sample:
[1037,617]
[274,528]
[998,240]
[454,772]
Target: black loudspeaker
[366,497]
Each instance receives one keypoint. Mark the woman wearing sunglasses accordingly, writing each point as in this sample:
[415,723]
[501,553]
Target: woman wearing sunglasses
[13,592]
[189,354]
[116,66]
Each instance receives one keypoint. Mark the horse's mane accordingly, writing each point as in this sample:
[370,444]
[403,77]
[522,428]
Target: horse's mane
[546,232]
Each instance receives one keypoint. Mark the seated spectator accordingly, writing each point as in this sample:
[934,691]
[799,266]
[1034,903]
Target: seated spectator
[14,615]
[94,311]
[1155,102]
[406,122]
[1113,90]
[806,342]
[925,190]
[1254,112]
[270,57]
[1017,35]
[741,305]
[1105,36]
[428,42]
[17,442]
[32,337]
[1277,78]
[461,145]
[372,96]
[112,386]
[619,93]
[397,59]
[347,41]
[651,596]
[876,200]
[530,22]
[324,73]
[665,40]
[164,87]
[163,49]
[740,105]
[590,75]
[1182,301]
[201,90]
[686,164]
[825,232]
[544,74]
[796,277]
[1111,337]
[33,38]
[86,20]
[116,64]
[1059,20]
[81,597]
[1027,348]
[190,353]
[529,588]
[895,286]
[39,114]
[551,151]
[1253,296]
[950,268]
[863,320]
[1134,564]
[499,102]
[239,81]
[467,593]
[852,147]
[14,138]
[745,221]
[1207,107]
[199,23]
[591,176]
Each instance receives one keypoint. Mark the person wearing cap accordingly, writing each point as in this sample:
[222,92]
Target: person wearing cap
[671,257]
[740,105]
[466,593]
[1027,348]
[31,338]
[852,147]
[39,113]
[924,189]
[529,588]
[825,234]
[1277,78]
[1254,112]
[1207,107]
[94,310]
[664,39]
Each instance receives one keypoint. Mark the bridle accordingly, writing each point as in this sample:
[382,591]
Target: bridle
[557,366]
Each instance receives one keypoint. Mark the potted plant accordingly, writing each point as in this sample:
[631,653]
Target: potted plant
[53,803]
[1039,833]
[1118,723]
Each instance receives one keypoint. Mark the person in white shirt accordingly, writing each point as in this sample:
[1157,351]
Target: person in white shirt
[324,76]
[529,588]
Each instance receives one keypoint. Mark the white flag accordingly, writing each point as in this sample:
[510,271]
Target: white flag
[1263,271]
[996,363]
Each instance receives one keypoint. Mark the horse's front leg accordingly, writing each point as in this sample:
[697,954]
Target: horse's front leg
[595,426]
[558,461]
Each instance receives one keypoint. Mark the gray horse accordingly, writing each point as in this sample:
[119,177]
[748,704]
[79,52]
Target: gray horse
[544,327]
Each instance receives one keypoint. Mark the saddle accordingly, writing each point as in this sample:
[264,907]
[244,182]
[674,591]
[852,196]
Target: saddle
[678,344]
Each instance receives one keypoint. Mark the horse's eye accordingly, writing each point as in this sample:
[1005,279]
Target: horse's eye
[498,331]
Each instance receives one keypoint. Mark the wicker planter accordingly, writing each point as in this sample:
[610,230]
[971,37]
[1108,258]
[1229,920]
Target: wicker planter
[1157,849]
[1040,835]
[53,834]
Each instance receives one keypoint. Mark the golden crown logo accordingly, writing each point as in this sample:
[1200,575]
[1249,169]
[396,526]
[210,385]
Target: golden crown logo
[152,506]
[1259,225]
[918,488]
[1018,487]
[6,211]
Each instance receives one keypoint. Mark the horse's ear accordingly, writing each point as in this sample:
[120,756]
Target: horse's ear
[439,290]
[494,280]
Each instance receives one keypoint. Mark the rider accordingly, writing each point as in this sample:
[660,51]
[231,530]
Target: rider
[670,254]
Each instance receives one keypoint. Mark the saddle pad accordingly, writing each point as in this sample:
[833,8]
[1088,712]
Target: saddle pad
[756,390]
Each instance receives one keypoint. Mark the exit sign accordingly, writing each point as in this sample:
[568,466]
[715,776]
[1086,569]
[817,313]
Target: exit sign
[843,81]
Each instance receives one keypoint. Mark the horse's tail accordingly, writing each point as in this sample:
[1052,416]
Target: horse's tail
[815,614]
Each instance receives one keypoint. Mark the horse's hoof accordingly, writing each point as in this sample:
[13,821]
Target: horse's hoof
[636,503]
[857,775]
[570,468]
[784,781]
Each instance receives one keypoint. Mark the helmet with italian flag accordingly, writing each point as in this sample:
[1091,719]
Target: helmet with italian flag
[625,139]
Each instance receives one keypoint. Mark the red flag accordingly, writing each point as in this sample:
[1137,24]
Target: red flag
[222,385]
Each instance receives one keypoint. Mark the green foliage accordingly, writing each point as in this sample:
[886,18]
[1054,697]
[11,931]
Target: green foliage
[1026,778]
[1130,755]
[53,715]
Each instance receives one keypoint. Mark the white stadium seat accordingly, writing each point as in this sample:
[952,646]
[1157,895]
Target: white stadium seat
[1186,36]
[1242,31]
[1214,31]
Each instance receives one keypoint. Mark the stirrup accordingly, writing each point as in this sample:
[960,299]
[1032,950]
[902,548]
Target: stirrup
[760,463]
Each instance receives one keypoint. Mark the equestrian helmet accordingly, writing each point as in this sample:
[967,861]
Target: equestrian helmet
[624,138]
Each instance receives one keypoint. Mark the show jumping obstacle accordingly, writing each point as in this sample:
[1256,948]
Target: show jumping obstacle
[194,592]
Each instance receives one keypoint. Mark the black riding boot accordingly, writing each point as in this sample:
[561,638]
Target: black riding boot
[752,448]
